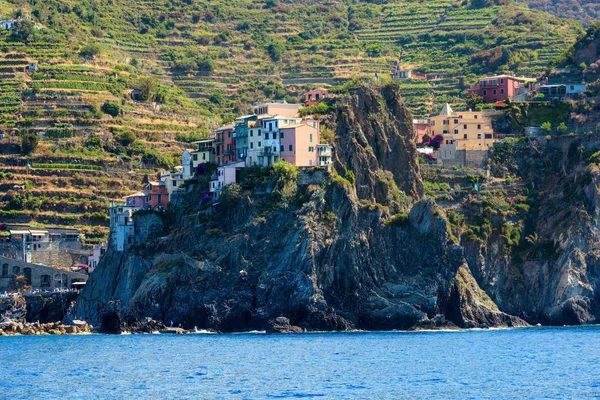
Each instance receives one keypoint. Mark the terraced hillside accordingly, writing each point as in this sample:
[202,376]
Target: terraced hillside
[194,64]
[584,10]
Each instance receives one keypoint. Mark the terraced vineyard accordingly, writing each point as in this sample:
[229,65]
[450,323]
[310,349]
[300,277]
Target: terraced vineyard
[204,61]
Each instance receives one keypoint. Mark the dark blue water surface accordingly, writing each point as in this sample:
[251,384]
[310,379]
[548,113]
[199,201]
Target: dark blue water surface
[522,363]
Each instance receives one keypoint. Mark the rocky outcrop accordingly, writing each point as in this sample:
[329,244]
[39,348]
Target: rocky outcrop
[342,255]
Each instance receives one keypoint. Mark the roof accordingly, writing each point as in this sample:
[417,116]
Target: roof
[517,78]
[245,116]
[38,232]
[297,126]
[138,194]
[224,128]
[204,141]
[446,110]
[18,232]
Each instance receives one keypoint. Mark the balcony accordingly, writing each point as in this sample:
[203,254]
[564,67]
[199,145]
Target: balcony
[268,151]
[228,152]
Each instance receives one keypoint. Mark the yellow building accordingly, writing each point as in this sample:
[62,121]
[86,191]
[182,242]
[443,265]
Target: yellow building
[463,130]
[204,152]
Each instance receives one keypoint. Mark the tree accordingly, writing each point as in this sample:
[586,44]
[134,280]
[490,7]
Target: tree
[146,87]
[275,50]
[562,127]
[90,50]
[547,126]
[24,31]
[125,138]
[111,108]
[231,195]
[29,142]
[473,99]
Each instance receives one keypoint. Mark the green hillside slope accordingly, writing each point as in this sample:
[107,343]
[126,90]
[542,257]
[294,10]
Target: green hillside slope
[197,63]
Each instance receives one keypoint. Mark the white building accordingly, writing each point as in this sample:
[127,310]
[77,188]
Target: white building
[224,175]
[94,257]
[575,88]
[8,24]
[121,225]
[324,155]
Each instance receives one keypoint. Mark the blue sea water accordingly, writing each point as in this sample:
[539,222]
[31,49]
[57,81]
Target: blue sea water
[509,364]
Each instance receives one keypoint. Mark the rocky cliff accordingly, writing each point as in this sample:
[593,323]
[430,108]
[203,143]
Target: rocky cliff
[354,249]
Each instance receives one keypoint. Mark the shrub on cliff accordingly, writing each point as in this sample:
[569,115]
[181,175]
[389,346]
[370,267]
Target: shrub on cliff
[285,181]
[111,108]
[29,143]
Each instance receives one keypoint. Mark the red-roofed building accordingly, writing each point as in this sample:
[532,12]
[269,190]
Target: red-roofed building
[499,88]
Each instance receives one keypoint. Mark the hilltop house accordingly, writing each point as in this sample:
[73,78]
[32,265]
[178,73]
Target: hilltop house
[298,143]
[500,87]
[240,135]
[561,91]
[400,74]
[224,175]
[204,152]
[283,109]
[315,96]
[157,195]
[421,127]
[8,24]
[137,200]
[324,156]
[464,132]
[121,225]
[94,257]
[224,144]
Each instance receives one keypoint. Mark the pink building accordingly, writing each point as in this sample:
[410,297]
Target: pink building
[499,88]
[315,96]
[157,195]
[137,200]
[298,144]
[421,128]
[94,258]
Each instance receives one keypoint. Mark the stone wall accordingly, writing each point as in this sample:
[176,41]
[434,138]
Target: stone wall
[41,277]
[467,158]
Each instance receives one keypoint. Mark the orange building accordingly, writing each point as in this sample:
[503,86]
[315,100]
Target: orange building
[157,195]
[315,96]
[421,127]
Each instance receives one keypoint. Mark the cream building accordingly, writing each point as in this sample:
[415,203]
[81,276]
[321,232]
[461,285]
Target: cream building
[463,130]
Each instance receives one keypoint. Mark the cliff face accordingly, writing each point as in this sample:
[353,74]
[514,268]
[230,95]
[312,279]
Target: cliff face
[552,275]
[339,255]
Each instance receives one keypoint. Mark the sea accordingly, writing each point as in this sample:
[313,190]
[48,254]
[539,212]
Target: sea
[526,363]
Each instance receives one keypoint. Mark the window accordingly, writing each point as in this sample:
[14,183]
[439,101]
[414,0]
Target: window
[495,91]
[266,135]
[455,122]
[310,137]
[251,133]
[475,116]
[251,145]
[460,116]
[310,162]
[259,144]
[465,136]
[259,131]
[203,156]
[456,131]
[311,149]
[229,134]
[501,91]
[445,131]
[494,82]
[281,135]
[479,136]
[281,148]
[195,157]
[291,148]
[502,81]
[488,135]
[465,126]
[274,149]
[432,123]
[270,126]
[485,92]
[159,199]
[479,126]
[174,183]
[445,122]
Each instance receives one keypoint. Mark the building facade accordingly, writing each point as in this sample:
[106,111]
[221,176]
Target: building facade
[464,130]
[316,96]
[157,195]
[299,144]
[282,109]
[499,88]
[224,144]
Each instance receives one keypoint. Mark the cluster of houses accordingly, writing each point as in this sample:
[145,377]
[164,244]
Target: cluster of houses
[467,135]
[273,132]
